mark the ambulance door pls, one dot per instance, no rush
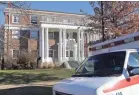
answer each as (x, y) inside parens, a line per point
(133, 69)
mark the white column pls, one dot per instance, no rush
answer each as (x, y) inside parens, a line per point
(46, 45)
(91, 37)
(82, 44)
(94, 36)
(60, 46)
(64, 44)
(41, 44)
(75, 52)
(78, 44)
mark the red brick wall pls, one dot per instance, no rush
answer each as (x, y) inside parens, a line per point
(32, 44)
(24, 19)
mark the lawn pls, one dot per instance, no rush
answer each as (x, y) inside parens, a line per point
(29, 76)
(14, 77)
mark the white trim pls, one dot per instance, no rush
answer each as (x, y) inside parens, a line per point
(64, 43)
(13, 15)
(30, 19)
(62, 26)
(78, 44)
(42, 44)
(21, 28)
(44, 26)
(46, 44)
(60, 57)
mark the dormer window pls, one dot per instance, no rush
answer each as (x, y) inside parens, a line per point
(34, 19)
(15, 18)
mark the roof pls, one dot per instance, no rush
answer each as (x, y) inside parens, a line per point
(57, 11)
(51, 11)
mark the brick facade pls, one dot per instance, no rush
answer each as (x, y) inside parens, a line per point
(24, 27)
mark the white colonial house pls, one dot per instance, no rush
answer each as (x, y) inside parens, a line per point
(60, 36)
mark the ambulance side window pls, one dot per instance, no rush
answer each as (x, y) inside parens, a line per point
(133, 59)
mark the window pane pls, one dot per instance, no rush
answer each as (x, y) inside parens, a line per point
(75, 35)
(67, 34)
(67, 54)
(15, 34)
(34, 19)
(66, 20)
(134, 59)
(50, 19)
(71, 53)
(51, 54)
(15, 53)
(106, 64)
(34, 34)
(15, 18)
(51, 35)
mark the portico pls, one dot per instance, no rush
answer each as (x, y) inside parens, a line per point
(68, 43)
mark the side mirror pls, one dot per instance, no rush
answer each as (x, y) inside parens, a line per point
(134, 71)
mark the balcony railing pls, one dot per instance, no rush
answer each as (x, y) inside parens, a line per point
(61, 20)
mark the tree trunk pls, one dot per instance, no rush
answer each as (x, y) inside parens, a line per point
(102, 21)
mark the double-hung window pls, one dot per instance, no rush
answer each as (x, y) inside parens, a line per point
(15, 18)
(51, 53)
(15, 54)
(34, 34)
(15, 34)
(34, 19)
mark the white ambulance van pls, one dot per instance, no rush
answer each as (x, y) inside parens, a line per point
(107, 71)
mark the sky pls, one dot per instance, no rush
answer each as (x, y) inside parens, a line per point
(61, 6)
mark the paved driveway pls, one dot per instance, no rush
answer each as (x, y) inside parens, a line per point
(29, 90)
(40, 88)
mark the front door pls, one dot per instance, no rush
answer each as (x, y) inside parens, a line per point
(71, 52)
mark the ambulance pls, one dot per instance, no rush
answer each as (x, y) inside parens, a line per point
(111, 69)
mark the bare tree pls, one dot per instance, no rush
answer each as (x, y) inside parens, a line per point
(20, 7)
(15, 4)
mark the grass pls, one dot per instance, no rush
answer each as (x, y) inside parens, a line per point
(28, 76)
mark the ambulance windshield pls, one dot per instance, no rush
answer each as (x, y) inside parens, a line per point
(102, 65)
